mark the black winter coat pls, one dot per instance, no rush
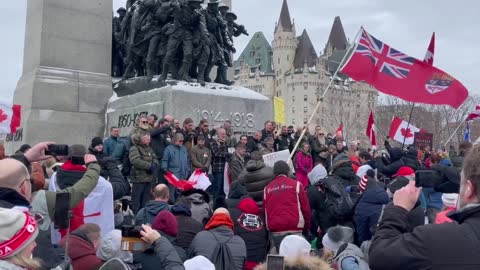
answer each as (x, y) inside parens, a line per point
(396, 162)
(342, 168)
(160, 136)
(256, 177)
(437, 246)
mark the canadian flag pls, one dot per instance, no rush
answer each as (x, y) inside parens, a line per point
(10, 117)
(402, 131)
(371, 133)
(475, 114)
(431, 51)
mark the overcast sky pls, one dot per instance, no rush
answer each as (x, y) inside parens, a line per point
(405, 25)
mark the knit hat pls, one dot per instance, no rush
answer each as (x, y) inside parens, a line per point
(166, 222)
(17, 231)
(318, 173)
(218, 220)
(281, 167)
(77, 150)
(336, 237)
(293, 246)
(198, 263)
(404, 171)
(114, 264)
(96, 141)
(450, 199)
(397, 184)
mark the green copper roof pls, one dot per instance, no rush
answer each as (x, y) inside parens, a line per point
(258, 53)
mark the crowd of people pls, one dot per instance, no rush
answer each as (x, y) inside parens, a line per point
(342, 206)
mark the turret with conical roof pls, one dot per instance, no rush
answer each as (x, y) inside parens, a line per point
(305, 53)
(337, 41)
(284, 43)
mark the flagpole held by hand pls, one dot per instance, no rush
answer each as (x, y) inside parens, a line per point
(408, 125)
(455, 132)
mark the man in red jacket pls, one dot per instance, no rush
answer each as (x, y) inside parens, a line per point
(287, 210)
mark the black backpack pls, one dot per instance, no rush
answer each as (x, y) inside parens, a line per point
(339, 203)
(222, 256)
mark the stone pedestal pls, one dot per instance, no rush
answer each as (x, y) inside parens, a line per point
(66, 79)
(246, 109)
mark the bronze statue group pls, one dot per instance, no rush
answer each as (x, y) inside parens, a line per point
(158, 37)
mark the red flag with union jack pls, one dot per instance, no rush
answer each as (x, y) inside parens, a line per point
(475, 114)
(395, 73)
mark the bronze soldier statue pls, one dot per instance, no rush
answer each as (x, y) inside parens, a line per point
(219, 42)
(187, 19)
(118, 46)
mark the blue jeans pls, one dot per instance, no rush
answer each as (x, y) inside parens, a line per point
(217, 184)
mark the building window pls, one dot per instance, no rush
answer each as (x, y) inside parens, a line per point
(305, 98)
(293, 109)
(305, 109)
(252, 53)
(279, 60)
(305, 121)
(322, 122)
(305, 86)
(258, 60)
(358, 115)
(293, 98)
(288, 57)
(293, 121)
(242, 63)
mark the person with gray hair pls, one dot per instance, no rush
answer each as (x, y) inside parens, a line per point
(176, 160)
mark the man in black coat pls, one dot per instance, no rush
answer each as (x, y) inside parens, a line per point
(440, 247)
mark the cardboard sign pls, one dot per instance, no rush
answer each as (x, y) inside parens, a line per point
(422, 140)
(270, 159)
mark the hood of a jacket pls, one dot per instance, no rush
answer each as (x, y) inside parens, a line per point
(197, 196)
(396, 154)
(302, 262)
(412, 153)
(254, 165)
(237, 191)
(10, 198)
(110, 247)
(375, 195)
(155, 207)
(372, 164)
(461, 215)
(181, 210)
(69, 174)
(249, 206)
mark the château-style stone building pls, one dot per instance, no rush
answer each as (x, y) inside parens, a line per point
(290, 68)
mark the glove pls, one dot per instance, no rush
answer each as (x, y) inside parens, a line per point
(153, 168)
(348, 189)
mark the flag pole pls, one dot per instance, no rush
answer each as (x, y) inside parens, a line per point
(408, 124)
(455, 132)
(324, 93)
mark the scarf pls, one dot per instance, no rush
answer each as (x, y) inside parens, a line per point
(219, 220)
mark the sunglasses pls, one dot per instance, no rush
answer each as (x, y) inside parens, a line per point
(144, 122)
(39, 218)
(181, 141)
(321, 134)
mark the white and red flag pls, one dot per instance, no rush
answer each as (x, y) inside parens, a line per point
(475, 114)
(431, 51)
(10, 117)
(401, 131)
(371, 132)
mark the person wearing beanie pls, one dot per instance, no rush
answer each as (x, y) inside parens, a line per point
(368, 210)
(219, 230)
(317, 174)
(188, 227)
(293, 246)
(166, 225)
(249, 224)
(18, 231)
(450, 205)
(83, 245)
(198, 263)
(286, 205)
(339, 251)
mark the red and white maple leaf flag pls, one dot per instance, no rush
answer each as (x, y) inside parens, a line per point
(431, 51)
(401, 131)
(371, 133)
(475, 114)
(10, 117)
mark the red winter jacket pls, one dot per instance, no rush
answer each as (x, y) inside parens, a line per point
(286, 206)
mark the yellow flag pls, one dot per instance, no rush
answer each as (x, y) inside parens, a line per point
(279, 108)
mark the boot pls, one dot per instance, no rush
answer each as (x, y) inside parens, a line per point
(218, 79)
(150, 70)
(201, 74)
(222, 70)
(207, 73)
(184, 72)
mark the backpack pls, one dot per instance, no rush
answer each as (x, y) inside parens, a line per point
(222, 256)
(338, 200)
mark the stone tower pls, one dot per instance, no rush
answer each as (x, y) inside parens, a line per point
(337, 41)
(284, 46)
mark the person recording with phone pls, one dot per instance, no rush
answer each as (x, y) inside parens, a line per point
(433, 246)
(16, 192)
